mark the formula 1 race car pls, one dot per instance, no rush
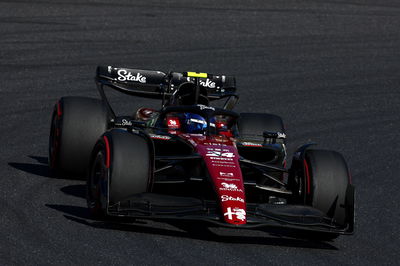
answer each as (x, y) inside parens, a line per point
(191, 160)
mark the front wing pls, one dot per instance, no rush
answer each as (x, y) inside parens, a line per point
(296, 217)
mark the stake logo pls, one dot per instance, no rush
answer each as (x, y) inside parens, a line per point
(126, 122)
(124, 75)
(281, 135)
(207, 83)
(230, 198)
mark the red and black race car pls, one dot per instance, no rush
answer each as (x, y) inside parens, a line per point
(191, 160)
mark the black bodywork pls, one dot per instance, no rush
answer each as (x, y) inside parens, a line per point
(176, 164)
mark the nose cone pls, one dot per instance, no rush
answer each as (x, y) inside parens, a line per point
(222, 161)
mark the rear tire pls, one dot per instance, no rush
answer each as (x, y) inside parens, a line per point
(77, 123)
(122, 166)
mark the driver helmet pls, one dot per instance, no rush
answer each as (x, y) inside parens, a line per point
(194, 123)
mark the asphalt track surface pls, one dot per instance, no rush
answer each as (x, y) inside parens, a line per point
(331, 69)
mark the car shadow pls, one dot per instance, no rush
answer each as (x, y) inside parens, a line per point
(78, 191)
(185, 230)
(41, 168)
(40, 159)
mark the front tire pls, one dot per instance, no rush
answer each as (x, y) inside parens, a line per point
(122, 166)
(325, 185)
(328, 182)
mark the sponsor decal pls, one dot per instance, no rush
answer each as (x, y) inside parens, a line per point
(125, 122)
(202, 107)
(228, 179)
(251, 144)
(162, 137)
(207, 83)
(221, 159)
(226, 164)
(230, 198)
(212, 144)
(201, 136)
(172, 122)
(226, 185)
(281, 135)
(229, 187)
(124, 75)
(217, 149)
(220, 154)
(239, 213)
(223, 163)
(226, 174)
(222, 139)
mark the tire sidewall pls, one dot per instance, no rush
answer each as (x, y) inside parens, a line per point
(118, 147)
(328, 181)
(80, 121)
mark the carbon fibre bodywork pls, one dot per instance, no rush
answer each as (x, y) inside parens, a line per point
(220, 176)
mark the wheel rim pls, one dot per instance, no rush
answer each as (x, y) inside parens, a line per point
(98, 184)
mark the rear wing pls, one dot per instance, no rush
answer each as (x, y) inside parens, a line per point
(159, 85)
(143, 83)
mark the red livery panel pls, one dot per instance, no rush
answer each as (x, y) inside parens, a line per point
(222, 160)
